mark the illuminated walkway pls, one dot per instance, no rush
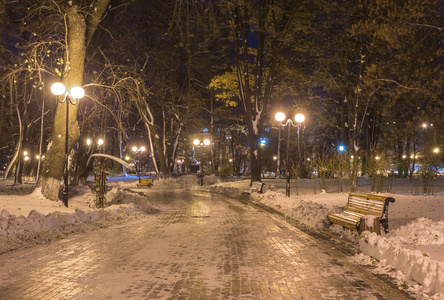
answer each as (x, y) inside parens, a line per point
(200, 247)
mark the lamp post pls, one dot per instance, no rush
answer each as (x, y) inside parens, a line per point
(280, 116)
(76, 92)
(137, 152)
(179, 163)
(299, 118)
(99, 144)
(197, 143)
(205, 143)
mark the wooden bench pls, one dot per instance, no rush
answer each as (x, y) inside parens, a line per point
(257, 186)
(146, 182)
(360, 205)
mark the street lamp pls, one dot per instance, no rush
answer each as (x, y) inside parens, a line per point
(204, 143)
(76, 92)
(280, 116)
(100, 142)
(299, 118)
(137, 151)
(197, 143)
(179, 163)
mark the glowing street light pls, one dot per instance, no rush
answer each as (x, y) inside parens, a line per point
(204, 143)
(436, 150)
(299, 118)
(76, 92)
(137, 152)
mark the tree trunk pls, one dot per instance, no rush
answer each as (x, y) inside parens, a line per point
(53, 167)
(82, 167)
(153, 157)
(39, 162)
(19, 155)
(121, 151)
(255, 158)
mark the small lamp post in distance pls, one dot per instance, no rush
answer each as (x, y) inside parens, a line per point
(299, 118)
(197, 143)
(137, 152)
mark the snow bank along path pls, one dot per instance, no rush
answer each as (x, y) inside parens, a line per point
(37, 228)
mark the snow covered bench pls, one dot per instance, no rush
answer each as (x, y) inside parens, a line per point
(360, 205)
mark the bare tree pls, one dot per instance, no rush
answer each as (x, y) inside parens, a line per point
(80, 22)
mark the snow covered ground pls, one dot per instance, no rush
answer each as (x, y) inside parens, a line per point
(413, 251)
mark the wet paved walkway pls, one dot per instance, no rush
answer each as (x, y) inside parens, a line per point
(204, 247)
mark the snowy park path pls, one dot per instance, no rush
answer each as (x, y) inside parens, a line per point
(202, 247)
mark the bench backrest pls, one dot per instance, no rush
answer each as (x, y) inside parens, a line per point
(257, 185)
(368, 204)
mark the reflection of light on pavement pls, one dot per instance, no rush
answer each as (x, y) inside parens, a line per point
(199, 212)
(271, 228)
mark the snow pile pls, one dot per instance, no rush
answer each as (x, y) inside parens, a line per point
(422, 231)
(402, 251)
(309, 213)
(126, 196)
(400, 278)
(183, 182)
(17, 230)
(37, 228)
(211, 179)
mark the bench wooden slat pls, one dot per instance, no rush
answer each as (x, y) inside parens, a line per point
(145, 182)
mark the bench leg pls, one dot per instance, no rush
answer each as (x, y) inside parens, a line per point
(384, 224)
